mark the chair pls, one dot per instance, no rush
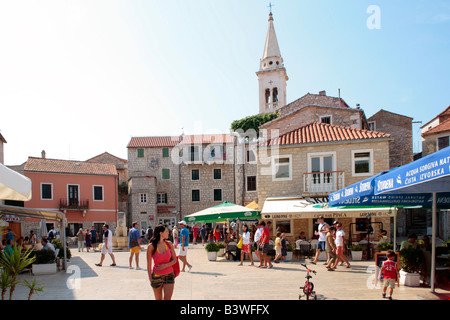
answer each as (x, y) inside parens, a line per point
(305, 248)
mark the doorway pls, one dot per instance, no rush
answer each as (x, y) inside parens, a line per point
(73, 195)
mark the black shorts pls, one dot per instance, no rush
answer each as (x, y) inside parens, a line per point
(159, 280)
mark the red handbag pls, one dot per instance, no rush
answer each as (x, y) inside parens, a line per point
(176, 268)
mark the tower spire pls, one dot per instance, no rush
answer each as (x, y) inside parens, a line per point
(272, 75)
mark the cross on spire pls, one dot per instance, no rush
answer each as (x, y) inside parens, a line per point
(270, 7)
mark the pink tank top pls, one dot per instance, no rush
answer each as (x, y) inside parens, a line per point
(161, 258)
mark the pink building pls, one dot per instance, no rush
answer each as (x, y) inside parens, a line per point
(86, 192)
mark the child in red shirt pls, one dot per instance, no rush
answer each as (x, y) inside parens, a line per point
(390, 274)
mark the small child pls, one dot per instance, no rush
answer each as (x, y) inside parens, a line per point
(390, 274)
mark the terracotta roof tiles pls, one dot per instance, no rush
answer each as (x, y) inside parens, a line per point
(321, 132)
(149, 142)
(441, 127)
(69, 166)
(171, 141)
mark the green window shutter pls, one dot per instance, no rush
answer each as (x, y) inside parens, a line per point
(165, 152)
(217, 194)
(166, 174)
(140, 153)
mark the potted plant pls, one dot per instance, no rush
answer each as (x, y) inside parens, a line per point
(357, 251)
(289, 253)
(412, 262)
(222, 246)
(212, 249)
(60, 257)
(385, 246)
(45, 262)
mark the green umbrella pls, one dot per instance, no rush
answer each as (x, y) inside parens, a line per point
(222, 212)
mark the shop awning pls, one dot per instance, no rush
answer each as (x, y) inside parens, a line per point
(13, 185)
(32, 213)
(48, 215)
(299, 208)
(222, 212)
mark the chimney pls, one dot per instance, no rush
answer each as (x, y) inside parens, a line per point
(43, 154)
(322, 93)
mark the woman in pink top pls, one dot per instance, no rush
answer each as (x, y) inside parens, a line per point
(162, 254)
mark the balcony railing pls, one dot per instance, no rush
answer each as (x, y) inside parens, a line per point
(323, 182)
(73, 204)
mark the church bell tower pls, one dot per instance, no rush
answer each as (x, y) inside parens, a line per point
(272, 75)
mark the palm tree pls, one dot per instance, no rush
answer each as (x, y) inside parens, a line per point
(33, 287)
(14, 263)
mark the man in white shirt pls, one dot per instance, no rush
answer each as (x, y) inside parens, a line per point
(107, 246)
(322, 233)
(339, 241)
(258, 250)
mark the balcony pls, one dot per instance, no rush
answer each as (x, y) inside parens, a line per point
(322, 183)
(73, 204)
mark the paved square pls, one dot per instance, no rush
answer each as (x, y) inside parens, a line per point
(213, 280)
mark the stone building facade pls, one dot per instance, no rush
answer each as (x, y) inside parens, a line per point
(153, 183)
(314, 161)
(400, 129)
(171, 177)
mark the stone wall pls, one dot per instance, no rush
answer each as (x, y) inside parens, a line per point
(400, 128)
(339, 116)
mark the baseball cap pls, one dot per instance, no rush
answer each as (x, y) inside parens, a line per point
(182, 222)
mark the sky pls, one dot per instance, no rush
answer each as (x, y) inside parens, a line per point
(78, 78)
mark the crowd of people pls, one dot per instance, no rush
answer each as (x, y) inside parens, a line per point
(29, 242)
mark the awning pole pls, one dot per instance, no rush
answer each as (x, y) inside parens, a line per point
(395, 229)
(433, 243)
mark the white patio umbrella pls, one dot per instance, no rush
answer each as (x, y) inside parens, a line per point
(13, 185)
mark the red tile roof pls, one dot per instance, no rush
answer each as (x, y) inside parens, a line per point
(321, 132)
(69, 166)
(149, 142)
(441, 127)
(171, 141)
(207, 139)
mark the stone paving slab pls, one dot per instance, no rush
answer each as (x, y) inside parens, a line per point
(213, 280)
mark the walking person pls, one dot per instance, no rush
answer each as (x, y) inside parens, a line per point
(134, 243)
(217, 233)
(330, 248)
(87, 239)
(184, 243)
(283, 247)
(321, 232)
(162, 253)
(339, 241)
(94, 237)
(265, 244)
(107, 246)
(81, 239)
(246, 245)
(258, 250)
(203, 234)
(277, 248)
(194, 233)
(390, 274)
(175, 236)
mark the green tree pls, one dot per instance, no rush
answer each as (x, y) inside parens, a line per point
(253, 122)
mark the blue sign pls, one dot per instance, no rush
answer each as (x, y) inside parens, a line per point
(428, 174)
